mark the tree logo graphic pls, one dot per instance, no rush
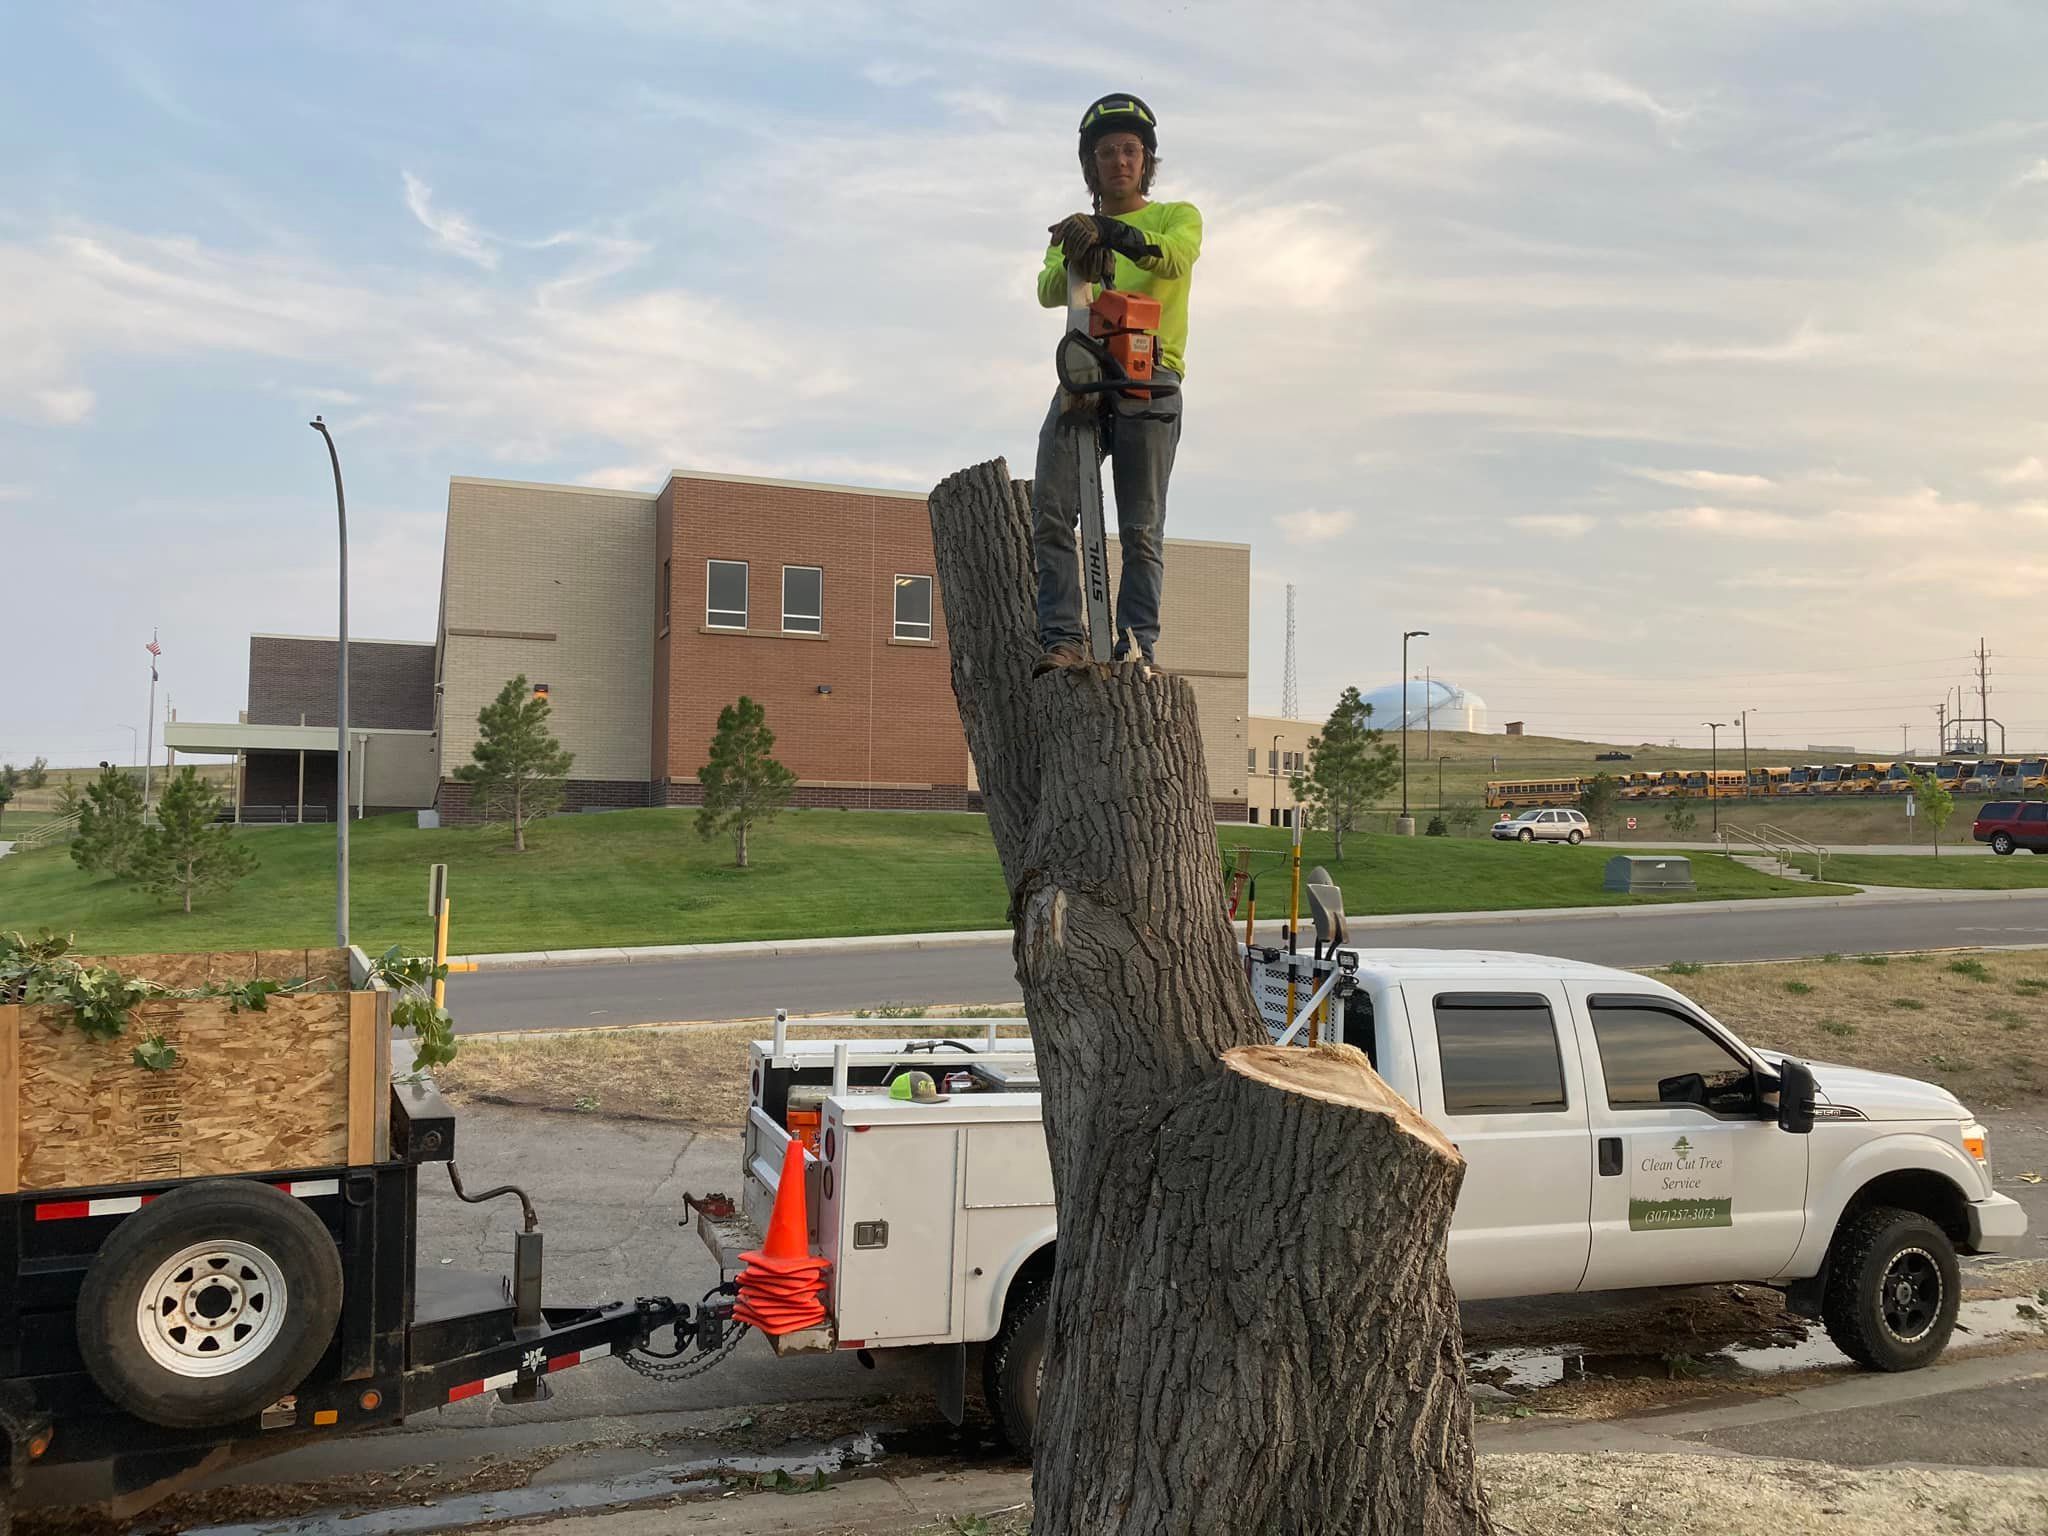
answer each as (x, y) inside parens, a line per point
(1682, 1147)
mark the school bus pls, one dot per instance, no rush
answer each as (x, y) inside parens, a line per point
(1770, 781)
(1802, 779)
(1635, 786)
(1901, 779)
(1827, 779)
(1518, 794)
(1952, 774)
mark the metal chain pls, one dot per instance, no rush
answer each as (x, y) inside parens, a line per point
(657, 1369)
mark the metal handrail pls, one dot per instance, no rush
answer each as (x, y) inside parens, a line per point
(47, 832)
(1793, 840)
(1732, 833)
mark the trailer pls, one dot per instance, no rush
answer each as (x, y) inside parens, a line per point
(153, 1333)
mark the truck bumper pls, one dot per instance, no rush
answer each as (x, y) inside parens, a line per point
(1997, 1223)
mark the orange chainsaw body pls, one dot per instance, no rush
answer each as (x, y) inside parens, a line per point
(1128, 325)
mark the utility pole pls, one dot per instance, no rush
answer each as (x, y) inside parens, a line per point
(1405, 827)
(1941, 726)
(149, 756)
(1715, 727)
(1744, 719)
(1905, 740)
(340, 703)
(1428, 715)
(1984, 691)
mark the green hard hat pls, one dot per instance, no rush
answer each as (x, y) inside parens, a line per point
(915, 1088)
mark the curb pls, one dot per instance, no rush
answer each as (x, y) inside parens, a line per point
(539, 959)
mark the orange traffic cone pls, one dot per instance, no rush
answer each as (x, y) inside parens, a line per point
(782, 1285)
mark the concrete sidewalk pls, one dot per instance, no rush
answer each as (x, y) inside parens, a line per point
(648, 954)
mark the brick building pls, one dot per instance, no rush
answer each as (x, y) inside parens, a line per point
(645, 614)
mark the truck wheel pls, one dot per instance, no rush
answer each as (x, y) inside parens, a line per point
(209, 1304)
(1014, 1366)
(2001, 842)
(1892, 1290)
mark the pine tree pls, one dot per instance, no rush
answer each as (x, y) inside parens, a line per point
(1349, 767)
(1598, 797)
(742, 783)
(519, 766)
(110, 824)
(190, 849)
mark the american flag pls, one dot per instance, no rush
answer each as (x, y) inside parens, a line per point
(154, 649)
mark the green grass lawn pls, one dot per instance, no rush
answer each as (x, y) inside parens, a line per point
(645, 877)
(2020, 872)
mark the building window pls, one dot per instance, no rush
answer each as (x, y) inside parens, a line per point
(913, 607)
(666, 591)
(1251, 759)
(725, 594)
(1272, 761)
(803, 599)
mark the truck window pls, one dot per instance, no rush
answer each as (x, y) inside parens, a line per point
(1653, 1056)
(1498, 1053)
(2036, 812)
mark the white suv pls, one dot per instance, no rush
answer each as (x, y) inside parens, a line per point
(1553, 826)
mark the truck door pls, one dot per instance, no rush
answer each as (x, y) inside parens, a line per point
(1693, 1183)
(1504, 1082)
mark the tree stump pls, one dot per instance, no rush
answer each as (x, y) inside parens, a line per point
(1253, 1331)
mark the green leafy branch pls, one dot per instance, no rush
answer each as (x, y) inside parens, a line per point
(101, 1000)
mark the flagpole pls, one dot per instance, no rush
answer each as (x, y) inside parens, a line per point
(149, 756)
(341, 702)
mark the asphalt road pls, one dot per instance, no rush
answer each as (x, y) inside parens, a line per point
(841, 981)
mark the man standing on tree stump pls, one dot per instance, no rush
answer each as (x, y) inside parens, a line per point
(1139, 247)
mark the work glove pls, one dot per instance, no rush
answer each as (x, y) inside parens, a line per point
(1127, 240)
(1076, 235)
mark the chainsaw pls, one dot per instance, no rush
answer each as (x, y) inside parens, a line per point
(1110, 348)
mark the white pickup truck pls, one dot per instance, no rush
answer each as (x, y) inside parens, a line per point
(1616, 1134)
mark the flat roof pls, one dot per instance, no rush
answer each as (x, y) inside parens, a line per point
(210, 736)
(271, 634)
(725, 479)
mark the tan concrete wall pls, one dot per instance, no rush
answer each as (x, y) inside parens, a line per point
(1205, 636)
(557, 582)
(397, 770)
(1260, 780)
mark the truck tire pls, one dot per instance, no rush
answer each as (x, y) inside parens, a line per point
(209, 1304)
(1892, 1290)
(1014, 1365)
(2001, 842)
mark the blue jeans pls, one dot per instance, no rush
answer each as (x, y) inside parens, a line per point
(1139, 438)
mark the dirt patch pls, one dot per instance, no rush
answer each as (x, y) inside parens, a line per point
(1975, 1023)
(1626, 1495)
(694, 1074)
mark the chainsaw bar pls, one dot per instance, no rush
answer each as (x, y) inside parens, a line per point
(1095, 545)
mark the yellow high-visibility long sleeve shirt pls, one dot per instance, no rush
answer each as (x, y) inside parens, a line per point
(1176, 228)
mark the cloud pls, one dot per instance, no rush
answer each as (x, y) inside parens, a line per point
(1806, 341)
(2026, 472)
(451, 231)
(1727, 522)
(1709, 480)
(1561, 525)
(893, 74)
(2034, 175)
(15, 492)
(1313, 527)
(66, 407)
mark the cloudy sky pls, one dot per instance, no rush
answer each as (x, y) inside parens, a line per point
(1662, 360)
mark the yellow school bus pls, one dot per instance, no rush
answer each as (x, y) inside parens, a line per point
(1770, 781)
(1865, 778)
(1519, 794)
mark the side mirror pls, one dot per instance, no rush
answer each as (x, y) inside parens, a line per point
(1795, 1097)
(1685, 1088)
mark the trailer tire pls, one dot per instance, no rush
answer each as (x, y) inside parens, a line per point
(209, 1304)
(1014, 1366)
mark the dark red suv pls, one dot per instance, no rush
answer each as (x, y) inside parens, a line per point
(2010, 824)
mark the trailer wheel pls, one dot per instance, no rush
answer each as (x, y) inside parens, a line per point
(209, 1304)
(1014, 1366)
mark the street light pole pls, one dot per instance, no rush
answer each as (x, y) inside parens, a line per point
(1744, 719)
(1715, 727)
(340, 702)
(1440, 783)
(1273, 764)
(1407, 822)
(134, 740)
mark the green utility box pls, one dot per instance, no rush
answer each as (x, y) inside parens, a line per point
(1642, 873)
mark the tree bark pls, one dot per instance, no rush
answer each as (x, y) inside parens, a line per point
(1252, 1328)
